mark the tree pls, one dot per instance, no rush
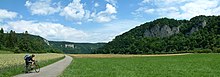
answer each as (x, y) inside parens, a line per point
(26, 32)
(1, 38)
(2, 31)
(11, 39)
(25, 43)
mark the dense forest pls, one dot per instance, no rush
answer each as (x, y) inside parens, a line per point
(24, 43)
(200, 34)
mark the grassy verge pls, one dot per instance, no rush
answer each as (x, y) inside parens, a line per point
(191, 65)
(18, 69)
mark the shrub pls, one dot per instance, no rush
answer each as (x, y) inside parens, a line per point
(216, 50)
(202, 50)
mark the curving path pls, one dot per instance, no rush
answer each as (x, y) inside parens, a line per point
(52, 70)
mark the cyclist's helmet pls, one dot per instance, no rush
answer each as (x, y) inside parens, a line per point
(32, 55)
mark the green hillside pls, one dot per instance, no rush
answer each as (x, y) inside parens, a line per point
(27, 43)
(201, 33)
(79, 48)
(24, 43)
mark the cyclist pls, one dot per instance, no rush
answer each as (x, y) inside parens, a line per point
(29, 60)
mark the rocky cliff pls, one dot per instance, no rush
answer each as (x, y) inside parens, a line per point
(197, 26)
(161, 31)
(166, 30)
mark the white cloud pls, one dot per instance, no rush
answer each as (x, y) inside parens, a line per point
(180, 9)
(145, 1)
(42, 7)
(110, 9)
(4, 14)
(74, 11)
(96, 5)
(50, 31)
(113, 2)
(149, 10)
(59, 32)
(79, 23)
(108, 31)
(208, 7)
(107, 15)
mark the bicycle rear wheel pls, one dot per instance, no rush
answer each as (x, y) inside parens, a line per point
(37, 68)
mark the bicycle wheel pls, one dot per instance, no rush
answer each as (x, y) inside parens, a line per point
(37, 68)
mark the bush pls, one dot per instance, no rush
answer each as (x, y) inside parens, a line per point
(202, 50)
(216, 50)
(54, 51)
(17, 50)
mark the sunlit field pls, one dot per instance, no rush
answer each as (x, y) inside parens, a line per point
(17, 59)
(190, 65)
(12, 64)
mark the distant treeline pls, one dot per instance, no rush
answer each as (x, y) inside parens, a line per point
(78, 48)
(24, 43)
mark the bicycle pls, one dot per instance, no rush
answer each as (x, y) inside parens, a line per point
(33, 66)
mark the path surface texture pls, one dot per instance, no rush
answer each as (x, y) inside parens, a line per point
(52, 70)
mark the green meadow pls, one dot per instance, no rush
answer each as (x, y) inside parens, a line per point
(190, 65)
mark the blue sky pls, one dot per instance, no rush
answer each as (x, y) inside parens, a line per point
(94, 20)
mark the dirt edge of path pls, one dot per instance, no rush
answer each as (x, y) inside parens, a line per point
(119, 55)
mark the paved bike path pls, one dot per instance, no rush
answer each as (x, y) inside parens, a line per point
(52, 70)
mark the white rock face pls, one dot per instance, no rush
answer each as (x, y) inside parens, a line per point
(161, 31)
(46, 42)
(166, 30)
(69, 45)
